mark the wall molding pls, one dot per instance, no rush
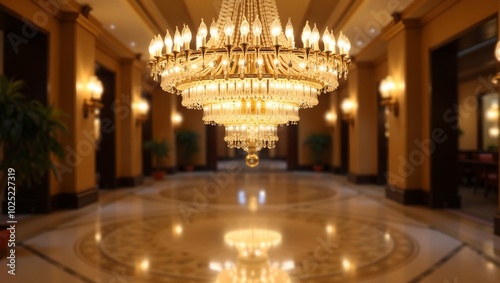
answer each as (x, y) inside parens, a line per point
(75, 200)
(361, 179)
(497, 224)
(405, 196)
(132, 181)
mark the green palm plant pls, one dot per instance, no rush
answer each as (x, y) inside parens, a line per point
(160, 149)
(318, 143)
(28, 134)
(187, 141)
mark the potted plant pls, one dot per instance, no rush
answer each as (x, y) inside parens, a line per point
(29, 137)
(318, 143)
(187, 142)
(160, 149)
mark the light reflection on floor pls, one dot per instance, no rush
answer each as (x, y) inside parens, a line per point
(174, 231)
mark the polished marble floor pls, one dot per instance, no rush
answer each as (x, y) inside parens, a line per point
(330, 231)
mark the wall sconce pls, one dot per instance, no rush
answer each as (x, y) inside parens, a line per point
(493, 132)
(388, 100)
(93, 104)
(142, 108)
(331, 119)
(496, 78)
(176, 119)
(348, 110)
(492, 113)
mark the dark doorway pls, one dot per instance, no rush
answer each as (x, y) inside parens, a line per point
(25, 57)
(211, 147)
(106, 148)
(444, 162)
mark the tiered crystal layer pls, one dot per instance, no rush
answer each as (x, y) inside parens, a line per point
(249, 77)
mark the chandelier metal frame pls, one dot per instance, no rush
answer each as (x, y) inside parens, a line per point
(250, 79)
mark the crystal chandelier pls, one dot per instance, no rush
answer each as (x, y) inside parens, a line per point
(250, 78)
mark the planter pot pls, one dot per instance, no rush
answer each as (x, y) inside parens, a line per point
(318, 168)
(189, 168)
(4, 239)
(159, 175)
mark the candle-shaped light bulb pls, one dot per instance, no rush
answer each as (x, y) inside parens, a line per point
(315, 37)
(276, 30)
(198, 40)
(202, 30)
(158, 45)
(341, 43)
(168, 42)
(332, 44)
(244, 29)
(228, 30)
(289, 32)
(214, 32)
(327, 39)
(152, 50)
(186, 36)
(306, 35)
(177, 40)
(347, 46)
(257, 30)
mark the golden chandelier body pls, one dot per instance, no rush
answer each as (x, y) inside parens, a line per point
(250, 79)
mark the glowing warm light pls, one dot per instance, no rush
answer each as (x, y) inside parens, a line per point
(97, 237)
(178, 229)
(347, 106)
(142, 107)
(249, 77)
(215, 266)
(330, 118)
(346, 265)
(95, 88)
(330, 229)
(497, 51)
(253, 205)
(387, 236)
(253, 265)
(176, 119)
(493, 132)
(144, 264)
(492, 113)
(288, 265)
(386, 88)
(97, 127)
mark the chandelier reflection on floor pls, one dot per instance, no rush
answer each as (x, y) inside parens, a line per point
(250, 78)
(253, 264)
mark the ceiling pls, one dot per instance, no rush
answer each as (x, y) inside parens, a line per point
(134, 22)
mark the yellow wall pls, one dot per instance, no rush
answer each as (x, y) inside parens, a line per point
(163, 105)
(335, 102)
(363, 132)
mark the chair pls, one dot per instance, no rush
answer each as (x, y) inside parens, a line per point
(486, 173)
